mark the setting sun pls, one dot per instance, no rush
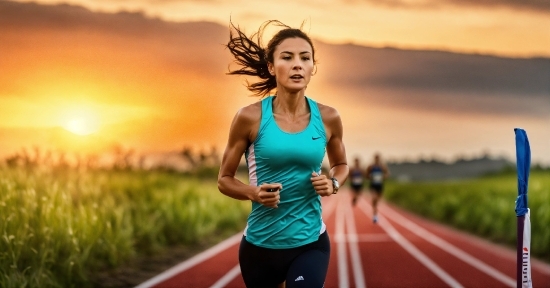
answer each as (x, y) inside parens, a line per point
(81, 126)
(80, 119)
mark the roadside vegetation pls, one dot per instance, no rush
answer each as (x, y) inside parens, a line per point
(61, 224)
(483, 206)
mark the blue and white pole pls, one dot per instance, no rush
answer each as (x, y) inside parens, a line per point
(523, 164)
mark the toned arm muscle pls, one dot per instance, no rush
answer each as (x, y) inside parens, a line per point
(336, 151)
(243, 132)
(239, 139)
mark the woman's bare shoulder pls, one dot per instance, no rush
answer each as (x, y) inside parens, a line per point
(250, 113)
(328, 113)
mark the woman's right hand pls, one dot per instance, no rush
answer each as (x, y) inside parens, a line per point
(268, 194)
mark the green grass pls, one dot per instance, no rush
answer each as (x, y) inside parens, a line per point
(59, 226)
(483, 206)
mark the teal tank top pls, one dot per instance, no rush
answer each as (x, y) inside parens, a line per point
(277, 156)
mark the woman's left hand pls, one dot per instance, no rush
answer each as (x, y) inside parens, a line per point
(321, 184)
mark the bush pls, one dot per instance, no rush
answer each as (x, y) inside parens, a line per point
(483, 206)
(59, 226)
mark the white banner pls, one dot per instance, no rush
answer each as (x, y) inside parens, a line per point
(526, 280)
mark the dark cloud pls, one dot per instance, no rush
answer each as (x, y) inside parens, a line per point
(175, 61)
(121, 48)
(535, 5)
(437, 80)
(66, 17)
(155, 2)
(179, 1)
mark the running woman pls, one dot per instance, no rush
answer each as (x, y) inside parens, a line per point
(357, 180)
(284, 138)
(377, 172)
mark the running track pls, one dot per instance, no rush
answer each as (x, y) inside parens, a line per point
(402, 250)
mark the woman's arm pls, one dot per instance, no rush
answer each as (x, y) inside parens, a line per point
(336, 152)
(243, 131)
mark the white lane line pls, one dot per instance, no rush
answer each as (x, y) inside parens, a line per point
(343, 281)
(409, 247)
(354, 250)
(373, 237)
(219, 248)
(450, 248)
(192, 261)
(498, 250)
(236, 271)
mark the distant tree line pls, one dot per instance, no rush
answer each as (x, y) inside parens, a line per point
(462, 158)
(201, 163)
(188, 161)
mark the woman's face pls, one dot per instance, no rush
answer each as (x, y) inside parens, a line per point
(292, 64)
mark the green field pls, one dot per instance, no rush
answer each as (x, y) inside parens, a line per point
(483, 206)
(59, 226)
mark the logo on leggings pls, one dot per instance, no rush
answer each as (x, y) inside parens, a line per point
(300, 278)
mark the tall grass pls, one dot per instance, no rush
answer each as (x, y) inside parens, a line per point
(58, 226)
(483, 206)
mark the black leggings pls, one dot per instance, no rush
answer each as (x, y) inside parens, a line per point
(304, 266)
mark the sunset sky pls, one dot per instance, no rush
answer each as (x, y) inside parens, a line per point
(503, 27)
(86, 79)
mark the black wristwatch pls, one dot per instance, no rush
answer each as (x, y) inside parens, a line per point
(335, 185)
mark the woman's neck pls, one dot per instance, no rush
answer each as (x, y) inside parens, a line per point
(291, 104)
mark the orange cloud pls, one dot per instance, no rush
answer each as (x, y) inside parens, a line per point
(157, 85)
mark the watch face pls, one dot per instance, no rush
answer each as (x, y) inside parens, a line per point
(335, 183)
(335, 186)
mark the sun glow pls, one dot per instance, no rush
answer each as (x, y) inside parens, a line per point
(81, 121)
(81, 126)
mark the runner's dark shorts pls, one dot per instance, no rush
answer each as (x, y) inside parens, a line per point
(356, 188)
(377, 188)
(304, 266)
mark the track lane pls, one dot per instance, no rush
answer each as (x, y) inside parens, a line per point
(364, 254)
(499, 261)
(396, 263)
(442, 249)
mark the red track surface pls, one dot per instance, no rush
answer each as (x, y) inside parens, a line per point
(402, 250)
